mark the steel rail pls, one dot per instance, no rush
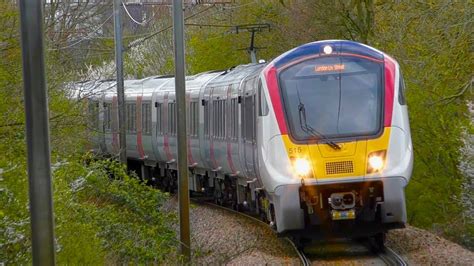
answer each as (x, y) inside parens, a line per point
(300, 252)
(387, 255)
(390, 257)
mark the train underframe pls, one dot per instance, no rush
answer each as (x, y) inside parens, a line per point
(224, 190)
(343, 210)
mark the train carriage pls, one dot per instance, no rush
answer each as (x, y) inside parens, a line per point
(317, 141)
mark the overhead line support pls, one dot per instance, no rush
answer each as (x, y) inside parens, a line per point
(120, 85)
(37, 133)
(180, 90)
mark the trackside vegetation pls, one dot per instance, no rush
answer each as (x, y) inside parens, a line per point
(102, 215)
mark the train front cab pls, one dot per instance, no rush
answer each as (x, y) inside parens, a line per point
(347, 139)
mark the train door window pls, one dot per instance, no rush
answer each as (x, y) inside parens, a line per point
(159, 125)
(193, 119)
(172, 118)
(223, 116)
(234, 123)
(108, 117)
(215, 111)
(215, 119)
(263, 106)
(220, 116)
(401, 91)
(146, 118)
(248, 118)
(93, 114)
(130, 109)
(206, 118)
(219, 119)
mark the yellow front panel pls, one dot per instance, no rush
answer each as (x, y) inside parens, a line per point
(350, 160)
(341, 163)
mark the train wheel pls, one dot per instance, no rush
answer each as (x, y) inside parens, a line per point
(379, 241)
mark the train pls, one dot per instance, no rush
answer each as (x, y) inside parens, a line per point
(315, 142)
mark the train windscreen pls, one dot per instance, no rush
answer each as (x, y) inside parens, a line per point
(333, 97)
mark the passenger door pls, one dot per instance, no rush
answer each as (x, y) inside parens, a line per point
(248, 121)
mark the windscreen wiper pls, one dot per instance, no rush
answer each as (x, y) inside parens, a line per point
(310, 130)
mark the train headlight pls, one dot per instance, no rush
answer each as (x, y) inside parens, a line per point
(302, 167)
(327, 49)
(376, 161)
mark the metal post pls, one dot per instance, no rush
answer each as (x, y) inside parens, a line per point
(37, 132)
(120, 89)
(252, 49)
(180, 87)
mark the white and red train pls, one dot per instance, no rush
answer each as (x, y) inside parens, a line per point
(317, 141)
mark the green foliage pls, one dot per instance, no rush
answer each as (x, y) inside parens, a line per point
(127, 213)
(98, 219)
(209, 54)
(432, 43)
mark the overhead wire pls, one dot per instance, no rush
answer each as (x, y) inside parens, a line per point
(141, 40)
(143, 23)
(239, 6)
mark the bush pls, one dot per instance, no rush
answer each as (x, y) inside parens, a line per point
(97, 219)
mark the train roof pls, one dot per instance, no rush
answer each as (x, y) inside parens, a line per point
(148, 85)
(236, 74)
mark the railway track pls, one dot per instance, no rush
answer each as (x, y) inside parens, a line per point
(388, 256)
(366, 254)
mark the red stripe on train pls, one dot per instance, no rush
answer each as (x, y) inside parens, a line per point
(211, 153)
(190, 153)
(141, 153)
(229, 145)
(389, 89)
(229, 157)
(272, 83)
(166, 144)
(115, 144)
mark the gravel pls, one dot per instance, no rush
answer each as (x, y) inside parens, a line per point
(421, 247)
(221, 237)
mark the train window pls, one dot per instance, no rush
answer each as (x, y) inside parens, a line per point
(130, 110)
(172, 118)
(159, 125)
(219, 119)
(248, 118)
(263, 106)
(215, 112)
(401, 91)
(193, 119)
(146, 118)
(93, 115)
(222, 114)
(206, 119)
(108, 117)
